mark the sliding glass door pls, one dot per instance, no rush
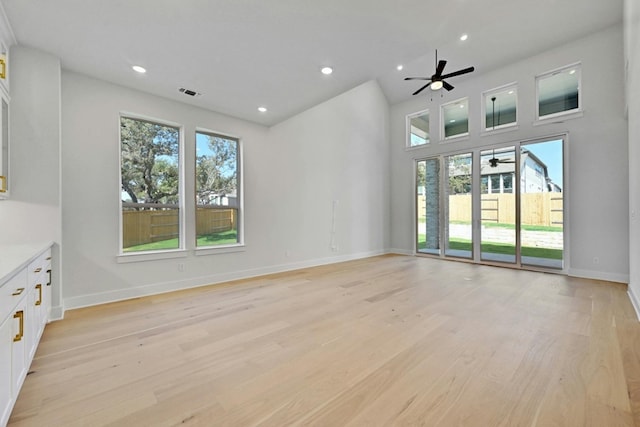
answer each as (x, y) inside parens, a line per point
(428, 206)
(458, 205)
(541, 203)
(508, 199)
(498, 204)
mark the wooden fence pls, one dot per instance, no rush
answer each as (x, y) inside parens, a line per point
(543, 209)
(146, 226)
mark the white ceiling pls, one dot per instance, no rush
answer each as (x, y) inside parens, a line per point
(241, 54)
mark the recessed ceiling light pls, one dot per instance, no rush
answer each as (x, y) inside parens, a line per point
(399, 67)
(139, 69)
(461, 105)
(572, 72)
(464, 37)
(510, 92)
(327, 70)
(262, 109)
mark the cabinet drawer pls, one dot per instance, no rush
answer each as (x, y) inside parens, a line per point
(12, 292)
(38, 268)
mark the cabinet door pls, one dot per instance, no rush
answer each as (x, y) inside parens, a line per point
(6, 342)
(32, 321)
(4, 152)
(20, 338)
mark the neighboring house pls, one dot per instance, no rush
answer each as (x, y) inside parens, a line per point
(534, 174)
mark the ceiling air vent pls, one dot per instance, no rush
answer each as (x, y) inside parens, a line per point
(189, 92)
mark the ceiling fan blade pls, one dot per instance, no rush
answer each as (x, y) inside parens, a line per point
(440, 67)
(459, 72)
(446, 85)
(417, 78)
(421, 89)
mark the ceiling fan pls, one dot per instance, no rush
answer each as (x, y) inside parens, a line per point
(493, 161)
(436, 81)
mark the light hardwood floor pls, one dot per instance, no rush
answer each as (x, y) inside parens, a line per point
(390, 340)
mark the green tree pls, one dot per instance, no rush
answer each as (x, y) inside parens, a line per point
(149, 168)
(459, 174)
(216, 171)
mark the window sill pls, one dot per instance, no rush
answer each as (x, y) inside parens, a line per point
(455, 138)
(558, 118)
(151, 256)
(219, 250)
(499, 130)
(416, 147)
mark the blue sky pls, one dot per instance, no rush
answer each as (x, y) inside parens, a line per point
(551, 154)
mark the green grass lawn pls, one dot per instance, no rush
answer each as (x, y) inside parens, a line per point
(490, 224)
(498, 248)
(213, 239)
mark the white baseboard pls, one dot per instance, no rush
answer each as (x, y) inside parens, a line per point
(599, 275)
(400, 251)
(57, 313)
(635, 301)
(194, 282)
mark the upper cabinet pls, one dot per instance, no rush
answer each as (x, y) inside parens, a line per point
(4, 67)
(4, 144)
(6, 39)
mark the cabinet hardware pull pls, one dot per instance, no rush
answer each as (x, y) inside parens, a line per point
(37, 270)
(49, 281)
(39, 288)
(3, 184)
(18, 292)
(3, 65)
(19, 315)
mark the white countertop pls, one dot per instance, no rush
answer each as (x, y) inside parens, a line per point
(13, 258)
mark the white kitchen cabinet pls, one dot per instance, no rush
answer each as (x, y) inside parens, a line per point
(25, 305)
(4, 120)
(4, 145)
(4, 66)
(6, 391)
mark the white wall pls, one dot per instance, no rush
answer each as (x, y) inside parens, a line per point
(32, 214)
(632, 50)
(292, 174)
(598, 167)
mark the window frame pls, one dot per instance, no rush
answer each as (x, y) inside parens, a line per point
(240, 244)
(574, 112)
(483, 108)
(458, 136)
(124, 257)
(408, 119)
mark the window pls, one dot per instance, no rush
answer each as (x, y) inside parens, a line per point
(500, 108)
(558, 92)
(507, 183)
(418, 129)
(455, 118)
(150, 179)
(217, 190)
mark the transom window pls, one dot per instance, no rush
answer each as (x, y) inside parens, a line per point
(500, 108)
(418, 129)
(558, 92)
(455, 118)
